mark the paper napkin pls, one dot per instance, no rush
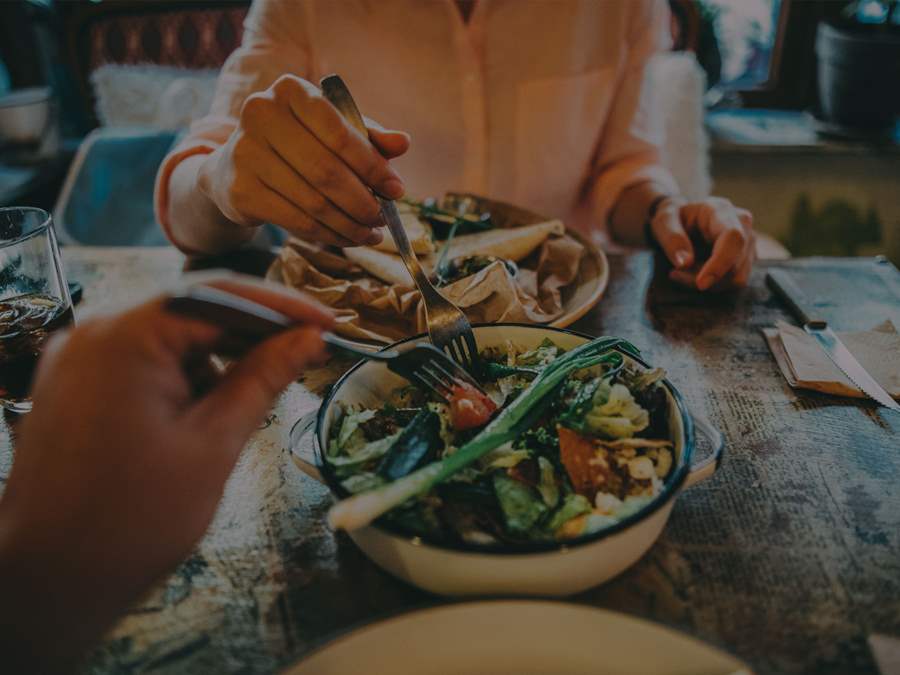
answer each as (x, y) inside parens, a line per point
(805, 364)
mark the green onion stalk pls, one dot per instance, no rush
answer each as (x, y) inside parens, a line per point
(361, 509)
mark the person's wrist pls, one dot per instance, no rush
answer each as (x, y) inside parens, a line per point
(208, 184)
(230, 228)
(653, 208)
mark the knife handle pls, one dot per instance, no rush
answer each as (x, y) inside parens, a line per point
(783, 285)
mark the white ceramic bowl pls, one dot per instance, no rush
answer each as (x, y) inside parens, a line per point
(24, 115)
(538, 569)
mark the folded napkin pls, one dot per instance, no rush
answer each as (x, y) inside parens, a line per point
(805, 364)
(886, 650)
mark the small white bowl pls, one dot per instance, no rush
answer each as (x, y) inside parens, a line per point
(537, 569)
(24, 115)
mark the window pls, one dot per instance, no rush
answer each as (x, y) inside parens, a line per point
(748, 34)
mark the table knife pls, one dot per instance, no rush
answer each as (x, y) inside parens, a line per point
(783, 285)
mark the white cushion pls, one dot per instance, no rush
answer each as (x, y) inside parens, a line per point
(159, 97)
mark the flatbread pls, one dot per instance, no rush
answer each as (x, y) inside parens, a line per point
(511, 243)
(418, 233)
(367, 308)
(382, 265)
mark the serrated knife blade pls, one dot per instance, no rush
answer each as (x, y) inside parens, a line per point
(783, 285)
(848, 365)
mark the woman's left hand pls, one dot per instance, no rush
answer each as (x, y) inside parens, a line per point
(684, 229)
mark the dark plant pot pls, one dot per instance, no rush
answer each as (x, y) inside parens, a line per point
(859, 76)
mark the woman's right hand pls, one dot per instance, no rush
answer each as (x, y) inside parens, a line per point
(294, 161)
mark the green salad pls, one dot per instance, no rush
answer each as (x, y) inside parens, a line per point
(559, 445)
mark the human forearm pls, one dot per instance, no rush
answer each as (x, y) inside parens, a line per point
(195, 222)
(50, 616)
(631, 212)
(313, 177)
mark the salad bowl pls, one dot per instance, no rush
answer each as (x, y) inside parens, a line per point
(538, 568)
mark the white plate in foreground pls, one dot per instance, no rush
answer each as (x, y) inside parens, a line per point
(516, 638)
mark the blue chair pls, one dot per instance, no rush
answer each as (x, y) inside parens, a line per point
(107, 198)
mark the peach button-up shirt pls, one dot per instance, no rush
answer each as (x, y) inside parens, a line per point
(541, 103)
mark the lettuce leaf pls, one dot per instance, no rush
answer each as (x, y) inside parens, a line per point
(543, 354)
(521, 507)
(360, 482)
(615, 413)
(573, 505)
(350, 437)
(504, 457)
(547, 487)
(345, 464)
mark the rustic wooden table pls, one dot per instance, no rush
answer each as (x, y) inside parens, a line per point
(789, 557)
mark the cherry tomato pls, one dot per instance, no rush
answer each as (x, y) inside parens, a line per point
(469, 408)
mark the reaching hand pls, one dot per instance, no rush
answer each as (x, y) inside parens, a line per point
(295, 162)
(711, 243)
(121, 464)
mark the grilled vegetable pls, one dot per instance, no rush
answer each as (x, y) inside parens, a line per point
(415, 445)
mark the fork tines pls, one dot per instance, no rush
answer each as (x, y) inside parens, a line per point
(432, 370)
(464, 350)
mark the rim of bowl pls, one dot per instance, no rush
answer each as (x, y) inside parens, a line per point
(46, 222)
(670, 489)
(25, 96)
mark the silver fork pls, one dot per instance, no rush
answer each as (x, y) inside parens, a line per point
(448, 327)
(423, 365)
(246, 323)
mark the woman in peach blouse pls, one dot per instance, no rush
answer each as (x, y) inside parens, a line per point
(538, 103)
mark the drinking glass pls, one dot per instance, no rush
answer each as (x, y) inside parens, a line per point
(34, 299)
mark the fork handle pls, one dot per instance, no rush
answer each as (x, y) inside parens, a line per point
(247, 323)
(337, 93)
(359, 349)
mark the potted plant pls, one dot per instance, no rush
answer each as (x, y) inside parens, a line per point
(859, 66)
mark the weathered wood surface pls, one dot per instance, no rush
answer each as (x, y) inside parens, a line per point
(789, 557)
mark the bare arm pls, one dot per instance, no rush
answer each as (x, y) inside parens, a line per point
(195, 220)
(272, 150)
(633, 189)
(626, 222)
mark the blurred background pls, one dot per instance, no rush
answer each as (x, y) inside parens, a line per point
(787, 107)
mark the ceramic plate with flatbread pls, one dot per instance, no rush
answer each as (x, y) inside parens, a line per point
(593, 275)
(523, 268)
(589, 286)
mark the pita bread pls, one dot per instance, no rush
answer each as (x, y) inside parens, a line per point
(382, 265)
(419, 236)
(368, 307)
(510, 243)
